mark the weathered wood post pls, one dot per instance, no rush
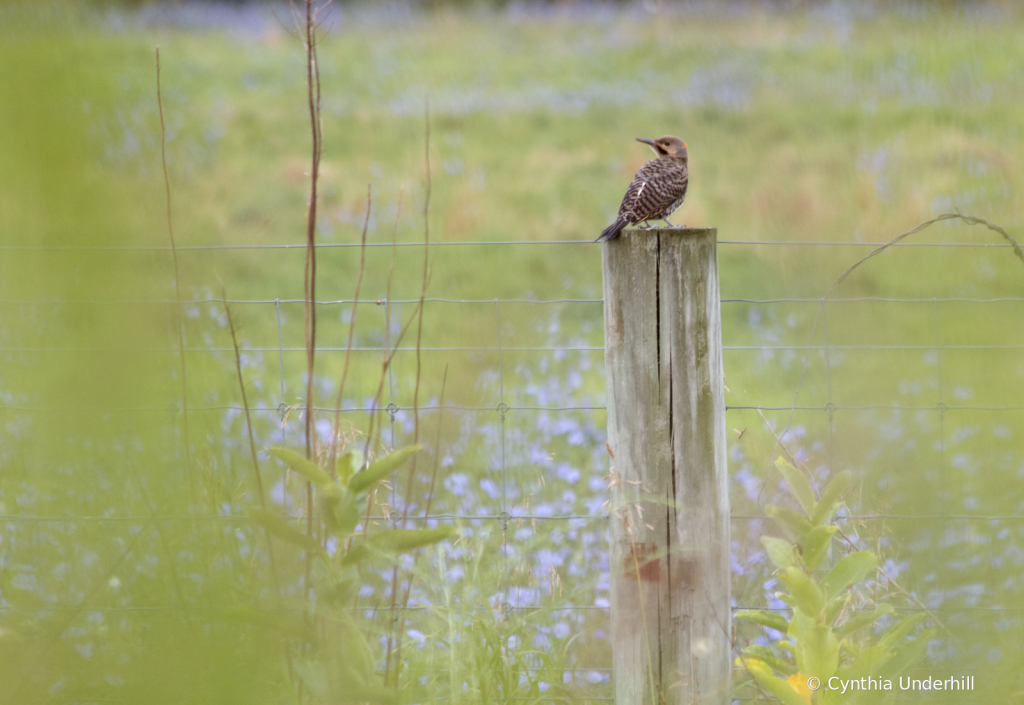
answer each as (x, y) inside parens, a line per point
(670, 596)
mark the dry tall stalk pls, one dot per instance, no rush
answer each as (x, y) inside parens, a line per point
(335, 438)
(177, 282)
(310, 25)
(255, 465)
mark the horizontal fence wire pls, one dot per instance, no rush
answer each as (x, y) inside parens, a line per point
(472, 243)
(383, 301)
(142, 519)
(516, 348)
(827, 408)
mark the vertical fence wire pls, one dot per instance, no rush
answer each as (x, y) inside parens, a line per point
(830, 407)
(392, 408)
(941, 408)
(282, 405)
(502, 408)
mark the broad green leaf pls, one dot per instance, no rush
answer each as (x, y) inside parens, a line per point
(816, 545)
(285, 531)
(800, 628)
(820, 652)
(357, 555)
(835, 606)
(794, 524)
(339, 510)
(762, 673)
(862, 620)
(830, 498)
(798, 485)
(900, 630)
(347, 465)
(849, 570)
(310, 471)
(866, 663)
(780, 551)
(765, 619)
(763, 653)
(381, 469)
(807, 595)
(907, 654)
(786, 598)
(408, 539)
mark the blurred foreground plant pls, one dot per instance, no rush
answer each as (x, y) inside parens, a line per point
(827, 637)
(341, 666)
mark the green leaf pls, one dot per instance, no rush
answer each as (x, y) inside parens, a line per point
(786, 598)
(347, 465)
(409, 539)
(357, 555)
(907, 654)
(780, 551)
(765, 619)
(763, 653)
(866, 663)
(296, 462)
(798, 485)
(862, 620)
(285, 531)
(379, 470)
(807, 595)
(816, 545)
(339, 510)
(900, 630)
(835, 606)
(794, 524)
(762, 673)
(851, 569)
(820, 652)
(800, 628)
(830, 498)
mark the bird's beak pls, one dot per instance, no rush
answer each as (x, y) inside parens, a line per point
(645, 140)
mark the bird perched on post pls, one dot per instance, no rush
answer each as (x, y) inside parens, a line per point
(658, 188)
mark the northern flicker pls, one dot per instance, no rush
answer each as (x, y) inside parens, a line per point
(658, 188)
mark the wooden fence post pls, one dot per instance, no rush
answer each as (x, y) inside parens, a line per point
(670, 587)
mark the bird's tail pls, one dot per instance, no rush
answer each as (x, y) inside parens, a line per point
(612, 231)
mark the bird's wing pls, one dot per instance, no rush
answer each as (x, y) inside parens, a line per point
(634, 192)
(656, 186)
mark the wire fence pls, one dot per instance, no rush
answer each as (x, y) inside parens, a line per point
(508, 408)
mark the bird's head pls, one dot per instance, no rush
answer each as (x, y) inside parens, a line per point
(667, 146)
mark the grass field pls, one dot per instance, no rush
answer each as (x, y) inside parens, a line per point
(835, 125)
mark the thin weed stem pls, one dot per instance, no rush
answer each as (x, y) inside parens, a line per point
(255, 465)
(352, 326)
(177, 282)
